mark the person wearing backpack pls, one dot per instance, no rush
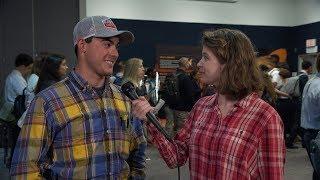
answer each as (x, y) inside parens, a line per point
(310, 113)
(303, 78)
(15, 85)
(296, 85)
(185, 96)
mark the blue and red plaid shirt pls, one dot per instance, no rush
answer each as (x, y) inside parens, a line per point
(75, 133)
(246, 144)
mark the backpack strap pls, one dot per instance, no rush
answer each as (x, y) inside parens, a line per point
(303, 78)
(24, 91)
(295, 86)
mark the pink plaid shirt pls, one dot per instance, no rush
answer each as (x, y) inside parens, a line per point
(247, 144)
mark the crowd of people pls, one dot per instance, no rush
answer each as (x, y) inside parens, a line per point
(229, 116)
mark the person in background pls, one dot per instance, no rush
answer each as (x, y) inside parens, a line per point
(194, 75)
(82, 127)
(134, 72)
(274, 72)
(150, 83)
(303, 77)
(118, 70)
(189, 93)
(287, 107)
(54, 68)
(268, 92)
(233, 134)
(15, 85)
(310, 112)
(32, 81)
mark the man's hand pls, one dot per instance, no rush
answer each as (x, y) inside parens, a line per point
(140, 107)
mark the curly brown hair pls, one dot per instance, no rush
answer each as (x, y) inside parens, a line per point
(240, 75)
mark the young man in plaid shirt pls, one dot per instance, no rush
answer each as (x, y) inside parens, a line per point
(82, 127)
(232, 134)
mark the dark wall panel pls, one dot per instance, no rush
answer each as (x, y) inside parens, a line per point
(33, 26)
(54, 22)
(150, 33)
(16, 33)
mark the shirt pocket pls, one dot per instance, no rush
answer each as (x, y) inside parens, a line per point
(235, 142)
(71, 141)
(119, 142)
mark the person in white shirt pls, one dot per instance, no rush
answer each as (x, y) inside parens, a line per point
(32, 82)
(15, 85)
(274, 73)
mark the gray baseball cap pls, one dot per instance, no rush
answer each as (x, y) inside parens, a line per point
(100, 26)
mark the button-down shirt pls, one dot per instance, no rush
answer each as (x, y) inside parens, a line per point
(72, 131)
(246, 144)
(14, 86)
(310, 111)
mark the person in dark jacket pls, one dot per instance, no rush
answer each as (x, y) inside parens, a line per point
(188, 91)
(54, 68)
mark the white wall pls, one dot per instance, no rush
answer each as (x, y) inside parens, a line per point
(308, 11)
(245, 12)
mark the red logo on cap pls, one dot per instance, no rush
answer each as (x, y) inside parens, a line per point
(109, 24)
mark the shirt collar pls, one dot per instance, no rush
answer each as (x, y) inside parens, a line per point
(303, 71)
(82, 84)
(17, 72)
(243, 103)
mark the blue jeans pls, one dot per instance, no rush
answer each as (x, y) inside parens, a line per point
(309, 135)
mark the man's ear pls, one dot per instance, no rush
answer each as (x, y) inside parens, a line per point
(82, 46)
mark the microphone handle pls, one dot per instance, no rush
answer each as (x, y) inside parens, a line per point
(152, 118)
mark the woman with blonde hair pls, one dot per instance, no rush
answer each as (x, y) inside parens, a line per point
(134, 72)
(232, 134)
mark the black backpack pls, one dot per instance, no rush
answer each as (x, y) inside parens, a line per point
(171, 88)
(19, 106)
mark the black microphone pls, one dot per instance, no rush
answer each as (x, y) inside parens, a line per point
(129, 90)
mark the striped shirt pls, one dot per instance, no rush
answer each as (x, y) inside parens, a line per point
(246, 144)
(77, 134)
